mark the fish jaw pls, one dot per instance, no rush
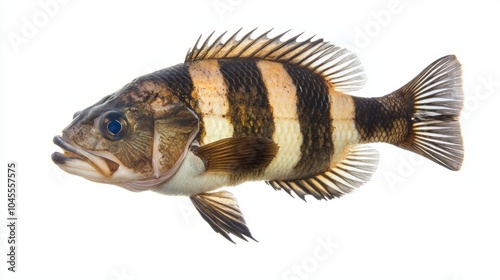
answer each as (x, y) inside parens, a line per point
(77, 166)
(74, 158)
(100, 167)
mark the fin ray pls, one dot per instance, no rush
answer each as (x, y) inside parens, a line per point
(438, 99)
(353, 170)
(335, 64)
(241, 154)
(221, 211)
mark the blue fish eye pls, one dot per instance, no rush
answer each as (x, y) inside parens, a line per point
(114, 125)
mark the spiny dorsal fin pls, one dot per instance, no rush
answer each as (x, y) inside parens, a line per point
(354, 170)
(222, 213)
(337, 65)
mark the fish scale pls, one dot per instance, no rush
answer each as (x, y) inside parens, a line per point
(282, 95)
(382, 119)
(249, 110)
(313, 107)
(272, 109)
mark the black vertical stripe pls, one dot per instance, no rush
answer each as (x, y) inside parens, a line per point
(179, 84)
(249, 110)
(383, 119)
(313, 108)
(178, 80)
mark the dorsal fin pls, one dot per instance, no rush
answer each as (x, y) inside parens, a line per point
(335, 64)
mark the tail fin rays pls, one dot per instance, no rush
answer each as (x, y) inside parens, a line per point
(438, 99)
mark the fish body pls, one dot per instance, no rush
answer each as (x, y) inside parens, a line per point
(266, 105)
(260, 109)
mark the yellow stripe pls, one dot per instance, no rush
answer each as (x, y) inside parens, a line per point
(210, 91)
(344, 131)
(282, 95)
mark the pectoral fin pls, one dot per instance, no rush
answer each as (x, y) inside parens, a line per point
(242, 154)
(222, 213)
(353, 170)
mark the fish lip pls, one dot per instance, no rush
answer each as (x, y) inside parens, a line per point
(71, 152)
(59, 158)
(105, 166)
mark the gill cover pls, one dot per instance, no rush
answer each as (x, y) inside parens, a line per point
(174, 132)
(133, 138)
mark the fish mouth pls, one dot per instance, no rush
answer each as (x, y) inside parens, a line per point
(76, 160)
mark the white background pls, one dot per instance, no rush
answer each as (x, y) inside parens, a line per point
(413, 220)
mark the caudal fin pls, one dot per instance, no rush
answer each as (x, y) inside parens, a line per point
(437, 101)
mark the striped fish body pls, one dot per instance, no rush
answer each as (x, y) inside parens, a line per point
(314, 125)
(261, 108)
(311, 122)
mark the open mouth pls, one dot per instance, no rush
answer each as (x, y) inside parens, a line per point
(78, 161)
(70, 152)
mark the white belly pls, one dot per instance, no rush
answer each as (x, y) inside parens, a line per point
(192, 179)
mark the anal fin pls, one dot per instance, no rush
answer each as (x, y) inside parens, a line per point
(354, 169)
(222, 213)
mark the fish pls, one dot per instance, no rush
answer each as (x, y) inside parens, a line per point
(256, 107)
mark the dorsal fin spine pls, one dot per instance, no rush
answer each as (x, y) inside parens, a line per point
(336, 65)
(253, 42)
(217, 44)
(190, 52)
(204, 49)
(294, 38)
(269, 42)
(232, 39)
(276, 39)
(243, 40)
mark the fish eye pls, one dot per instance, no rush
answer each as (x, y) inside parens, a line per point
(114, 125)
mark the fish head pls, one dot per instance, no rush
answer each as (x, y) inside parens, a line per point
(135, 138)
